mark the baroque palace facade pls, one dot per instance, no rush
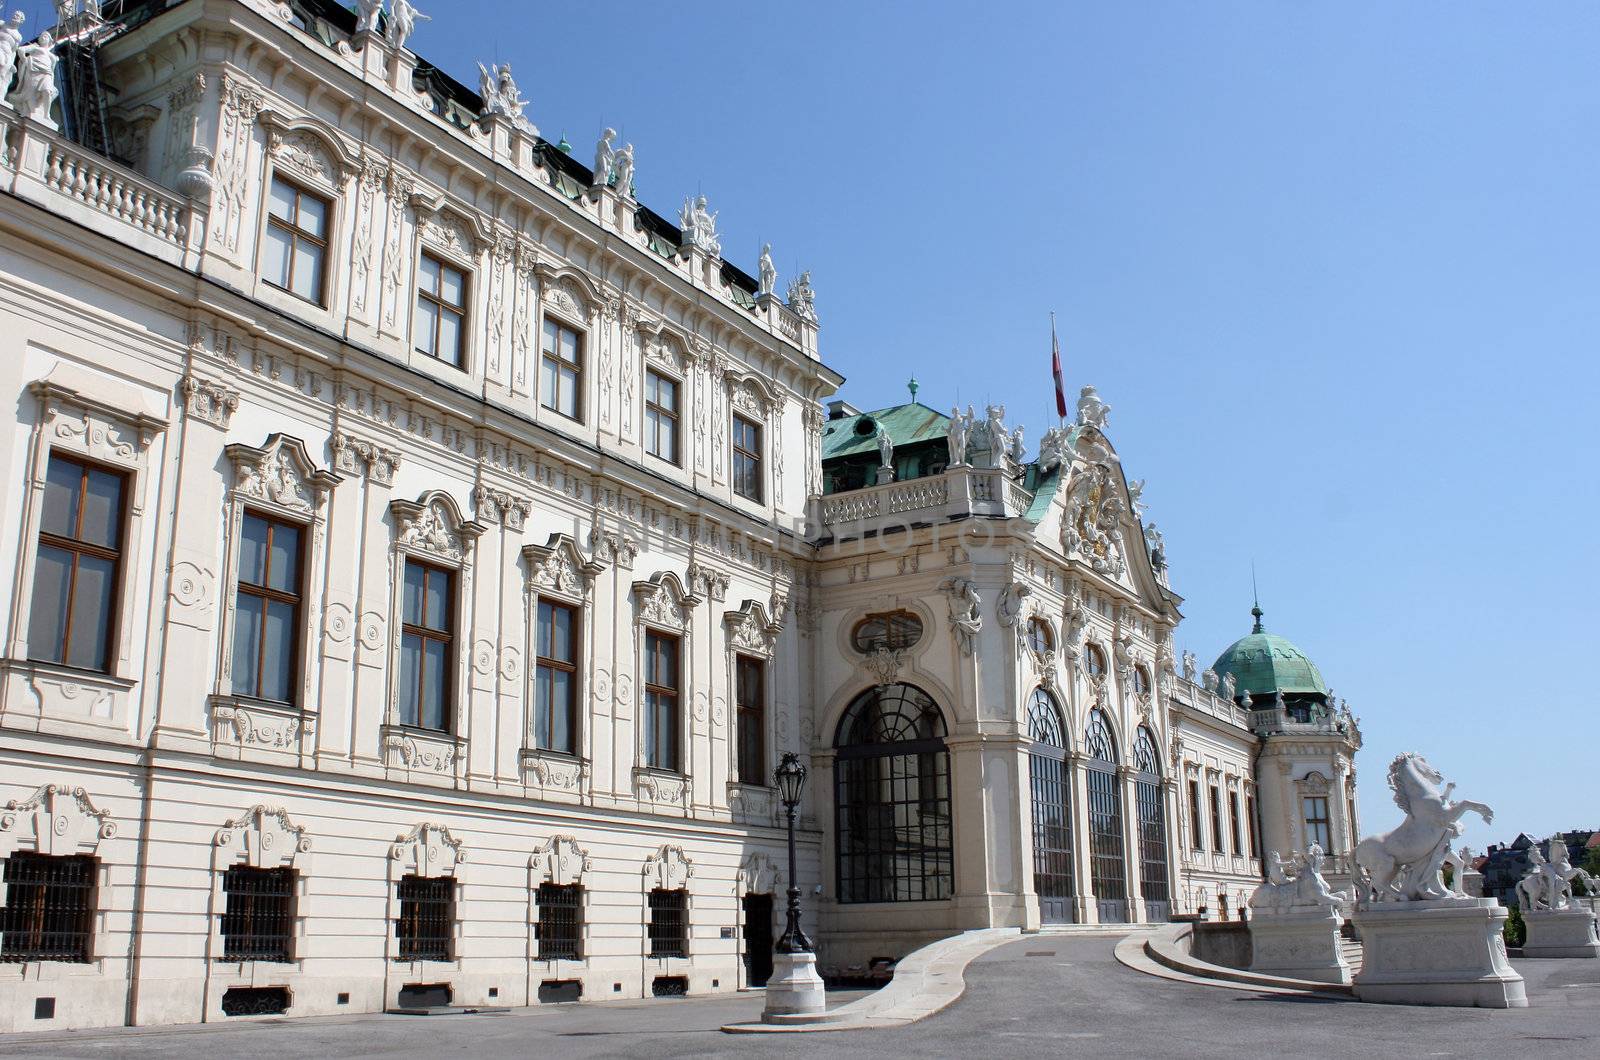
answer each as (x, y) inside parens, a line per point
(423, 553)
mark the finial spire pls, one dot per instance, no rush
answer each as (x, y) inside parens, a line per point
(1255, 595)
(912, 386)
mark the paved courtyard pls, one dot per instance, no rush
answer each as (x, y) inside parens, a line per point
(1041, 996)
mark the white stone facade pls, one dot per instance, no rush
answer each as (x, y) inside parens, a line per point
(143, 339)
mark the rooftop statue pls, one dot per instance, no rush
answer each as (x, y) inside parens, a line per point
(802, 299)
(1547, 887)
(605, 158)
(402, 22)
(1157, 545)
(622, 166)
(1055, 449)
(957, 434)
(995, 434)
(36, 79)
(885, 448)
(699, 225)
(1019, 449)
(768, 281)
(1208, 680)
(10, 41)
(367, 12)
(1092, 412)
(499, 90)
(1136, 491)
(1230, 686)
(1190, 663)
(1404, 865)
(1295, 886)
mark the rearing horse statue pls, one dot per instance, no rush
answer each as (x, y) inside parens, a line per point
(1405, 865)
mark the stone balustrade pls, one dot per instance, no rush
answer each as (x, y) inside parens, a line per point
(958, 493)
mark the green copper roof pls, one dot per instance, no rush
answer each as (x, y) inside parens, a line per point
(906, 424)
(1263, 663)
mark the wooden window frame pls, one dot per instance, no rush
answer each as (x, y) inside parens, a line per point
(572, 669)
(674, 415)
(78, 548)
(1041, 638)
(1218, 840)
(1094, 660)
(1197, 840)
(426, 634)
(1311, 823)
(296, 234)
(673, 694)
(295, 600)
(438, 301)
(755, 714)
(554, 355)
(753, 456)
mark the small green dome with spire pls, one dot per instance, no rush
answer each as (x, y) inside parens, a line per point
(1264, 663)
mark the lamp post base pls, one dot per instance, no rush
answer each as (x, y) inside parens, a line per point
(795, 988)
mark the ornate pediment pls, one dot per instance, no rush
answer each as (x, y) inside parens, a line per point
(432, 524)
(1092, 527)
(57, 820)
(663, 601)
(308, 149)
(558, 567)
(428, 850)
(568, 291)
(458, 233)
(280, 472)
(668, 869)
(749, 629)
(262, 837)
(560, 861)
(750, 394)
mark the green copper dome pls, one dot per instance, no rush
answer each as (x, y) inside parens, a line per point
(1264, 663)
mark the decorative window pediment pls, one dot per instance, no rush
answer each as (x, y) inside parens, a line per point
(98, 419)
(432, 525)
(760, 875)
(750, 394)
(568, 291)
(560, 861)
(441, 225)
(558, 567)
(308, 148)
(428, 850)
(280, 473)
(667, 869)
(1314, 783)
(663, 601)
(749, 629)
(262, 837)
(56, 820)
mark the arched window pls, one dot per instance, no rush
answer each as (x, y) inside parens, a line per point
(1107, 873)
(1095, 660)
(1052, 810)
(892, 631)
(1152, 828)
(892, 776)
(1040, 637)
(1141, 681)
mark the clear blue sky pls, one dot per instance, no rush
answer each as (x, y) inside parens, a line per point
(1333, 265)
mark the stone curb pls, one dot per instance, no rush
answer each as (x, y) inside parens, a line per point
(925, 981)
(1161, 956)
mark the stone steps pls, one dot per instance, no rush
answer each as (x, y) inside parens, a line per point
(1351, 951)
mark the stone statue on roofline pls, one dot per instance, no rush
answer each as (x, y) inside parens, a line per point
(885, 448)
(367, 14)
(995, 434)
(957, 434)
(699, 225)
(1092, 412)
(605, 157)
(622, 169)
(36, 80)
(1190, 663)
(1019, 448)
(500, 93)
(402, 22)
(1230, 686)
(10, 41)
(767, 281)
(802, 299)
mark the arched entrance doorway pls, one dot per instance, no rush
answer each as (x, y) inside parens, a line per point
(892, 799)
(1052, 810)
(1108, 873)
(1152, 829)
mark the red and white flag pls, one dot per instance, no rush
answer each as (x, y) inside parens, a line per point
(1055, 370)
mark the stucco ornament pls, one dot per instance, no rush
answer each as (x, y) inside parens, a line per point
(1093, 527)
(36, 79)
(501, 95)
(1056, 449)
(1547, 887)
(402, 22)
(1092, 412)
(958, 435)
(10, 41)
(1404, 865)
(699, 225)
(1295, 886)
(767, 271)
(966, 612)
(802, 299)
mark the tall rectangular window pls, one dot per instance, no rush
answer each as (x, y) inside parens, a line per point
(440, 328)
(49, 910)
(669, 923)
(258, 920)
(660, 416)
(661, 701)
(266, 632)
(1217, 843)
(555, 703)
(750, 691)
(560, 931)
(1234, 828)
(1250, 821)
(427, 636)
(746, 458)
(1197, 827)
(296, 251)
(561, 380)
(426, 924)
(79, 565)
(1315, 808)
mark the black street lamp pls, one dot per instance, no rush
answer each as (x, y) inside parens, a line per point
(791, 778)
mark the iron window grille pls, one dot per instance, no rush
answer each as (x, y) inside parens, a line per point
(266, 641)
(426, 925)
(258, 920)
(555, 720)
(750, 688)
(440, 329)
(427, 635)
(78, 567)
(561, 385)
(1052, 809)
(669, 923)
(661, 701)
(296, 251)
(49, 910)
(892, 799)
(746, 458)
(661, 416)
(560, 927)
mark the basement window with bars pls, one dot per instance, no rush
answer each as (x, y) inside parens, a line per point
(427, 917)
(258, 920)
(49, 910)
(560, 922)
(669, 923)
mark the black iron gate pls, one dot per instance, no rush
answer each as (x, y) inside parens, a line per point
(1052, 835)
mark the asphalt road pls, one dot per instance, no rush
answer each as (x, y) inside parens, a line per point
(1043, 996)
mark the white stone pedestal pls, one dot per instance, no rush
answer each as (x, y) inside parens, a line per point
(1299, 946)
(795, 988)
(1437, 953)
(1564, 933)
